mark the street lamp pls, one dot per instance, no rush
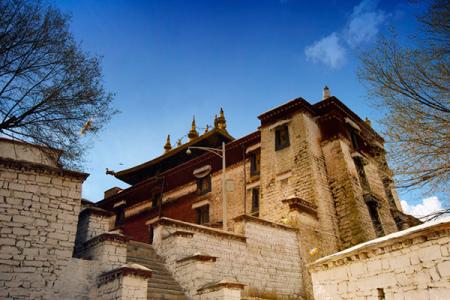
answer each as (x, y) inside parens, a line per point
(220, 153)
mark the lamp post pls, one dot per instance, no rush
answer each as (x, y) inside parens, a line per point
(220, 153)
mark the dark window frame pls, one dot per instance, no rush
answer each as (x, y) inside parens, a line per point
(202, 214)
(279, 143)
(375, 217)
(201, 190)
(255, 200)
(255, 163)
(364, 181)
(120, 216)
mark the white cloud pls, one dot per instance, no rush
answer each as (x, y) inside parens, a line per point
(427, 207)
(362, 26)
(364, 23)
(328, 51)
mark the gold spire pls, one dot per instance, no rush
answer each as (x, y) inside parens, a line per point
(221, 122)
(179, 143)
(215, 121)
(167, 146)
(206, 129)
(193, 132)
(368, 121)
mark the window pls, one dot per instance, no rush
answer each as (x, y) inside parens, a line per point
(155, 198)
(255, 163)
(381, 295)
(359, 164)
(373, 211)
(255, 200)
(281, 137)
(202, 214)
(120, 215)
(204, 185)
(388, 191)
(354, 138)
(398, 223)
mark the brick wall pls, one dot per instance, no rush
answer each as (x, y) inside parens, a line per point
(411, 264)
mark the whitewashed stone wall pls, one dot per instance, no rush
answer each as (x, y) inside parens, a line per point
(109, 249)
(92, 222)
(410, 264)
(262, 255)
(123, 286)
(39, 206)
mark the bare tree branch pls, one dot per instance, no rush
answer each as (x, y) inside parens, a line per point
(49, 87)
(413, 84)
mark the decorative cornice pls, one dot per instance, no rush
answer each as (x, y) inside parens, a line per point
(115, 237)
(301, 205)
(41, 168)
(199, 228)
(126, 270)
(248, 218)
(287, 108)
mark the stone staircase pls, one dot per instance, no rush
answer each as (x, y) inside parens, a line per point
(161, 286)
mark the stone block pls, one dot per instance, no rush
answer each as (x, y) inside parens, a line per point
(358, 268)
(23, 219)
(399, 262)
(444, 268)
(426, 254)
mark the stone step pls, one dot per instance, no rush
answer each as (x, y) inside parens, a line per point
(164, 291)
(164, 285)
(161, 286)
(157, 296)
(153, 267)
(166, 277)
(145, 260)
(162, 280)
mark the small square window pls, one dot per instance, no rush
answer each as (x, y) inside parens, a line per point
(204, 185)
(281, 137)
(202, 214)
(255, 200)
(255, 163)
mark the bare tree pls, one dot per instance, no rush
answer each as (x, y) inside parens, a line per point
(51, 92)
(412, 83)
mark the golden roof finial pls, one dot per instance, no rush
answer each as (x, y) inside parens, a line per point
(215, 121)
(368, 121)
(206, 129)
(221, 121)
(179, 143)
(167, 146)
(193, 132)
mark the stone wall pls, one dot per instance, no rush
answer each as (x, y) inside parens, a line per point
(352, 213)
(92, 222)
(410, 264)
(39, 206)
(263, 256)
(128, 282)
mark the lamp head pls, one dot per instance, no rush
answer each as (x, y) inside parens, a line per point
(188, 151)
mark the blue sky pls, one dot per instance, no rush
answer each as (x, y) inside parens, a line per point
(169, 60)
